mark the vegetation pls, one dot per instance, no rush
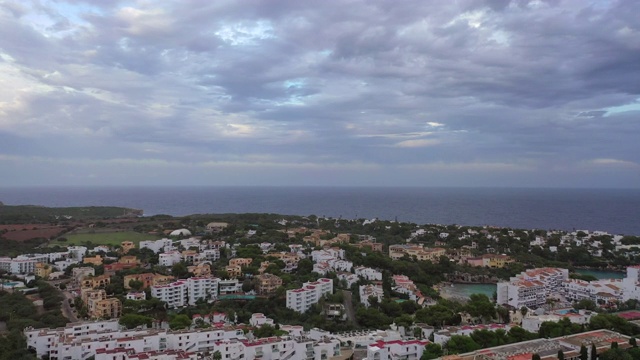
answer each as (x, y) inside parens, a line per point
(29, 214)
(106, 238)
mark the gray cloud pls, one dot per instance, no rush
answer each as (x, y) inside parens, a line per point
(516, 88)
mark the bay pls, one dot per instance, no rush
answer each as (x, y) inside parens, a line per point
(611, 210)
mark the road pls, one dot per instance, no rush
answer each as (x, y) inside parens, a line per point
(348, 305)
(67, 311)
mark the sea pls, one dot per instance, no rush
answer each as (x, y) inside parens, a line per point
(616, 211)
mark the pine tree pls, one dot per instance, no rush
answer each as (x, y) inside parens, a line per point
(584, 353)
(594, 352)
(560, 355)
(535, 357)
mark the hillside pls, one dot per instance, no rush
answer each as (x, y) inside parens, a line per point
(29, 214)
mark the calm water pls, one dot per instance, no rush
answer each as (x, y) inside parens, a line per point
(466, 290)
(601, 274)
(610, 210)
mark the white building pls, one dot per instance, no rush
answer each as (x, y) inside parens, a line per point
(76, 252)
(202, 288)
(532, 322)
(174, 294)
(210, 254)
(327, 254)
(348, 277)
(187, 292)
(368, 273)
(170, 258)
(229, 286)
(531, 287)
(258, 319)
(23, 264)
(62, 265)
(397, 349)
(441, 337)
(301, 299)
(136, 295)
(162, 245)
(366, 291)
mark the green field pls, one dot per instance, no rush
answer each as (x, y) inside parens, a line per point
(104, 238)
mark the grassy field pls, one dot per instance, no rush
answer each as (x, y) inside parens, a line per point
(104, 238)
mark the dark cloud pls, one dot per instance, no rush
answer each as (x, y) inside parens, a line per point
(487, 87)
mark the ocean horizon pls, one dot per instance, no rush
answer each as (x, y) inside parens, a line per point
(613, 210)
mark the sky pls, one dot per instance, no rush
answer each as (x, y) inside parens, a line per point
(320, 93)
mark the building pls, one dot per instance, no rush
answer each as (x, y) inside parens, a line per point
(136, 295)
(267, 284)
(146, 279)
(174, 294)
(374, 246)
(23, 264)
(367, 291)
(258, 319)
(242, 262)
(43, 270)
(162, 245)
(531, 287)
(126, 246)
(80, 273)
(215, 227)
(233, 271)
(99, 306)
(94, 260)
(187, 292)
(106, 340)
(368, 273)
(397, 349)
(229, 286)
(93, 282)
(416, 251)
(169, 258)
(310, 293)
(490, 260)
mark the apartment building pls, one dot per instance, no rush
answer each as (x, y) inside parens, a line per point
(310, 293)
(187, 292)
(367, 291)
(416, 251)
(531, 287)
(267, 284)
(146, 279)
(162, 245)
(368, 273)
(397, 349)
(169, 258)
(105, 340)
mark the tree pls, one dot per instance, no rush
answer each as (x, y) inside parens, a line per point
(584, 353)
(633, 342)
(131, 321)
(535, 357)
(180, 270)
(136, 284)
(560, 355)
(431, 351)
(594, 352)
(179, 322)
(458, 344)
(615, 354)
(217, 355)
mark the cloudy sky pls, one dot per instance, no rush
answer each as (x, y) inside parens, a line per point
(365, 93)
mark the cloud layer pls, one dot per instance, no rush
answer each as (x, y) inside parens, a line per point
(465, 93)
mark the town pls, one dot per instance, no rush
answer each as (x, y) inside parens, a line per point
(290, 287)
